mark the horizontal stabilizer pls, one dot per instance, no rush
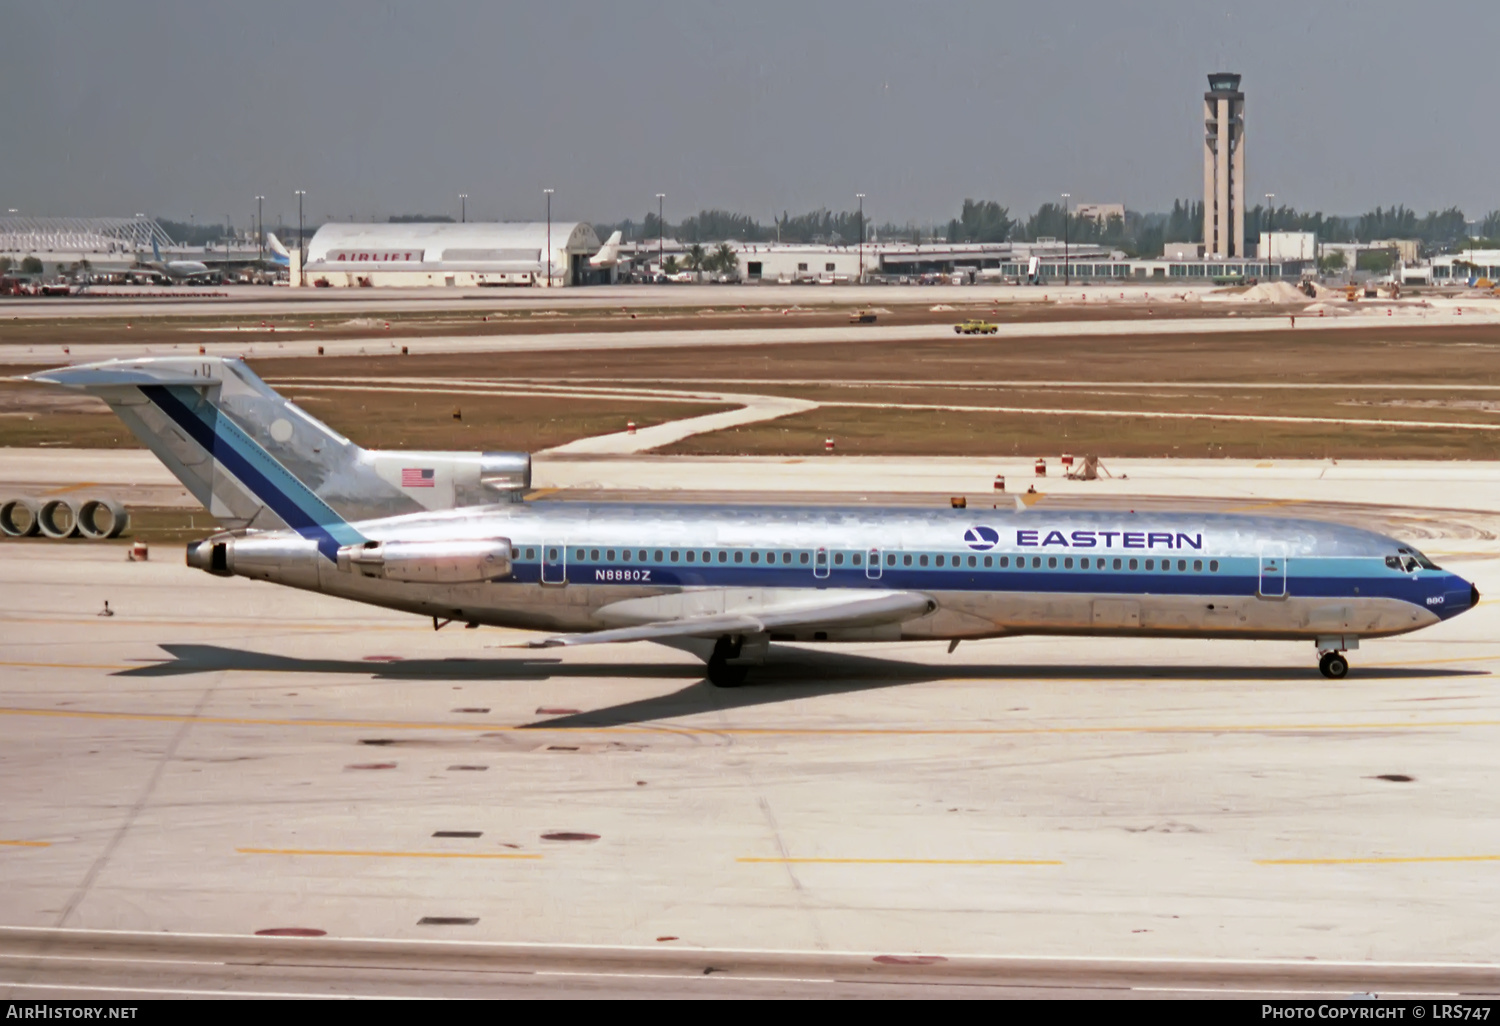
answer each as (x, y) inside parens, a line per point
(111, 373)
(826, 609)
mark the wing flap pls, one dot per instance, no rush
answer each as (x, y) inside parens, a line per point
(843, 610)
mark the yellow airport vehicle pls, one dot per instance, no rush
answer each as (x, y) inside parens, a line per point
(975, 328)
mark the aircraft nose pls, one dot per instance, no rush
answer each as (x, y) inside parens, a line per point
(1461, 597)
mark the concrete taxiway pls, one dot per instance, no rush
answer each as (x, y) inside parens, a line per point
(222, 757)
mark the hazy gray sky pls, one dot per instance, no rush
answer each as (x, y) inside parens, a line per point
(178, 108)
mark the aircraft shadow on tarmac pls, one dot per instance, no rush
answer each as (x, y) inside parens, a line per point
(789, 674)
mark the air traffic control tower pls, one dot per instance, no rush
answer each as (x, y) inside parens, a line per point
(1224, 167)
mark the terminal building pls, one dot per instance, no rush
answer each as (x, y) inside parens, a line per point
(533, 253)
(1046, 260)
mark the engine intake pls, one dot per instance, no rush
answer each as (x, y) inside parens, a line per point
(429, 562)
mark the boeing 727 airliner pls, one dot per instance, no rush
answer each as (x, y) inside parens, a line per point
(445, 535)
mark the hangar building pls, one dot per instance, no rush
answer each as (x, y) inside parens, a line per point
(473, 253)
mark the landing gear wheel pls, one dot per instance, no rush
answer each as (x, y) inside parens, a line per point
(720, 673)
(1334, 666)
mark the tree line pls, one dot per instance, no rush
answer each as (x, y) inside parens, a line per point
(1136, 233)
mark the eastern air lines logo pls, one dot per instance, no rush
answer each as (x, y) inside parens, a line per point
(981, 538)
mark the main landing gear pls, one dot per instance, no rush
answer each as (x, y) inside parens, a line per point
(720, 673)
(1333, 665)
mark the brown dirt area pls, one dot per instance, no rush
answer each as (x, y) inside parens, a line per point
(34, 415)
(1177, 367)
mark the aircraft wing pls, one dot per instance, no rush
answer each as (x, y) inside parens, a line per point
(831, 609)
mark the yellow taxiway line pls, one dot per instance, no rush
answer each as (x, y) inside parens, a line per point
(691, 731)
(350, 853)
(899, 862)
(1395, 860)
(25, 844)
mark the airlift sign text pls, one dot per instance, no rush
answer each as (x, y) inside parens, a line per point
(1106, 539)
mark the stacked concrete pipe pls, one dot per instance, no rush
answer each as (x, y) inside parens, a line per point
(96, 519)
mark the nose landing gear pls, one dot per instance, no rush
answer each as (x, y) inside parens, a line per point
(1333, 665)
(1331, 649)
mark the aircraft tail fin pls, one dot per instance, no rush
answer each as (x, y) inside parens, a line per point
(156, 251)
(251, 457)
(277, 252)
(256, 460)
(609, 253)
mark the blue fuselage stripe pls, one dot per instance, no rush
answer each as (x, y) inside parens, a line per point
(1440, 592)
(256, 469)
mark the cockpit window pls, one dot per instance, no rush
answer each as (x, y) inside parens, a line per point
(1409, 560)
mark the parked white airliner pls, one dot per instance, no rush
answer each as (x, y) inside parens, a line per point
(444, 535)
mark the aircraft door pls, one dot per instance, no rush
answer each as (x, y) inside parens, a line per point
(820, 564)
(1272, 576)
(554, 564)
(872, 568)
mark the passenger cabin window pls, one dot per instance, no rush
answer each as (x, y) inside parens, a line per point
(755, 557)
(906, 561)
(610, 555)
(708, 557)
(890, 560)
(658, 555)
(838, 559)
(1051, 562)
(674, 555)
(1134, 565)
(641, 555)
(690, 555)
(739, 557)
(988, 560)
(1068, 563)
(1213, 566)
(1197, 566)
(1117, 562)
(802, 558)
(939, 561)
(922, 560)
(723, 556)
(974, 561)
(855, 559)
(594, 555)
(1150, 564)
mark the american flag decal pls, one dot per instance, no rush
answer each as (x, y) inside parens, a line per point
(416, 477)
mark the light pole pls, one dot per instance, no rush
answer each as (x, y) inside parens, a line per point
(661, 233)
(549, 237)
(463, 208)
(861, 197)
(301, 255)
(1472, 271)
(1067, 270)
(260, 229)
